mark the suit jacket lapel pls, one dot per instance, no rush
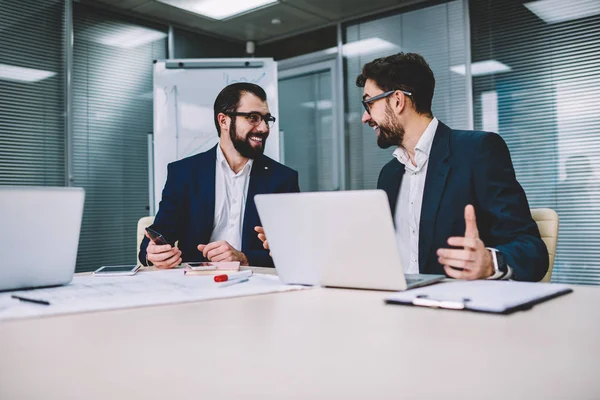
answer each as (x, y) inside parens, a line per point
(259, 183)
(435, 182)
(391, 184)
(206, 187)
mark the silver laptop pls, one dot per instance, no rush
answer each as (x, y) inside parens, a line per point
(39, 235)
(337, 239)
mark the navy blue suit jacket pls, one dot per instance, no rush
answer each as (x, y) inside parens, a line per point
(187, 208)
(469, 167)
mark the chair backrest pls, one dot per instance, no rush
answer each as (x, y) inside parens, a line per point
(143, 223)
(547, 222)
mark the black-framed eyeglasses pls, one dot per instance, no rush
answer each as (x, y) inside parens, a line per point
(368, 101)
(254, 118)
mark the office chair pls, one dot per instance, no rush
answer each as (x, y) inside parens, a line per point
(547, 222)
(143, 223)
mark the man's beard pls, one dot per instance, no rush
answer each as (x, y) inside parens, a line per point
(390, 132)
(243, 145)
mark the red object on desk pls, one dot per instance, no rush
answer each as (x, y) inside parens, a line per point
(238, 275)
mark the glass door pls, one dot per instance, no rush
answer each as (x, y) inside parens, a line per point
(308, 122)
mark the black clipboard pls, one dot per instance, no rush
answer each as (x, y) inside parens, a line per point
(497, 297)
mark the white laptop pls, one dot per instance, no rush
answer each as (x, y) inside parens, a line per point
(39, 235)
(337, 239)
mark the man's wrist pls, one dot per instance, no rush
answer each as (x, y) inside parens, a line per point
(244, 260)
(499, 267)
(490, 270)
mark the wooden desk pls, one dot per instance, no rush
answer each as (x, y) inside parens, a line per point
(321, 343)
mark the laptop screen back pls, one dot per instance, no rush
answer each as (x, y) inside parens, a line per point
(339, 239)
(39, 235)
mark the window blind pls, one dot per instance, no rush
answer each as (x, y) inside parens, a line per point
(32, 97)
(112, 118)
(541, 92)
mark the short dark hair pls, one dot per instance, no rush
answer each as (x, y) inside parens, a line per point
(228, 99)
(406, 71)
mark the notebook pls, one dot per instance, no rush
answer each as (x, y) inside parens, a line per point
(502, 297)
(210, 268)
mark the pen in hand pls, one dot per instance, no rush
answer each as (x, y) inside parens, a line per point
(27, 299)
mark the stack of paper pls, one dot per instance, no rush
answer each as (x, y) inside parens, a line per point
(93, 293)
(210, 268)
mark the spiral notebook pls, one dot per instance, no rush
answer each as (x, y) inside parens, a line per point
(501, 297)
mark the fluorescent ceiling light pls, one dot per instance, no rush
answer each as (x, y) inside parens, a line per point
(482, 68)
(366, 46)
(22, 74)
(319, 104)
(125, 36)
(219, 9)
(553, 11)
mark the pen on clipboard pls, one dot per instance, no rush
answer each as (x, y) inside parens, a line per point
(29, 300)
(424, 300)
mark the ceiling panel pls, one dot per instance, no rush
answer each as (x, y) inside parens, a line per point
(296, 16)
(126, 4)
(175, 15)
(257, 25)
(341, 9)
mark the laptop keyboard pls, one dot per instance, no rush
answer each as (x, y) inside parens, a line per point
(412, 279)
(416, 280)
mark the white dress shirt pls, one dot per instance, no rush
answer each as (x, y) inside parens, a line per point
(231, 190)
(407, 215)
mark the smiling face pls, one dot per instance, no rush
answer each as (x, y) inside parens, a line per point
(382, 118)
(249, 140)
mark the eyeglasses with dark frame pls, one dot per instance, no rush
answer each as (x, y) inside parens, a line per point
(254, 118)
(368, 101)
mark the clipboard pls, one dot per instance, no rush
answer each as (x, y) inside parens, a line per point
(498, 297)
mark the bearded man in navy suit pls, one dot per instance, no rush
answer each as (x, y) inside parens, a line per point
(457, 206)
(208, 200)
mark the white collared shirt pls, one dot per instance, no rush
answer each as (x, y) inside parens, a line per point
(407, 215)
(231, 190)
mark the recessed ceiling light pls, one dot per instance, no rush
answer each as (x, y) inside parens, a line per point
(482, 68)
(276, 21)
(219, 9)
(365, 46)
(553, 11)
(125, 36)
(22, 74)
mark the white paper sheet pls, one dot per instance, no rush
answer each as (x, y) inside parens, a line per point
(94, 293)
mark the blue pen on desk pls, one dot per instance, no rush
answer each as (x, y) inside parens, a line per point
(27, 299)
(233, 282)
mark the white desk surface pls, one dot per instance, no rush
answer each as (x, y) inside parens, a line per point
(320, 343)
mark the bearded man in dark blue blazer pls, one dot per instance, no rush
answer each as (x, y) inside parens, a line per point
(457, 206)
(208, 200)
